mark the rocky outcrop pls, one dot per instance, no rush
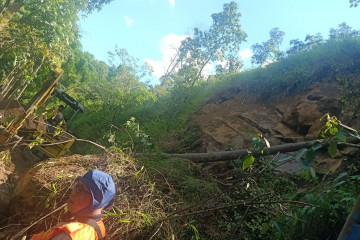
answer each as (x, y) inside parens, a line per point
(231, 123)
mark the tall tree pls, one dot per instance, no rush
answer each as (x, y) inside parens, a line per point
(342, 32)
(221, 42)
(106, 90)
(310, 41)
(354, 3)
(10, 7)
(270, 50)
(39, 36)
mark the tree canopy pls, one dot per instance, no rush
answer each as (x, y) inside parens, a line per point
(268, 51)
(220, 43)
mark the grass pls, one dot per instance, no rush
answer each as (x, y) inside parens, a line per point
(180, 177)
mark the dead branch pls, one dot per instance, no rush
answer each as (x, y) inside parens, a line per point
(34, 223)
(96, 144)
(250, 203)
(232, 155)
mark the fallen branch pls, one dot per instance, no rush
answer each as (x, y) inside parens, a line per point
(96, 144)
(236, 205)
(232, 155)
(36, 222)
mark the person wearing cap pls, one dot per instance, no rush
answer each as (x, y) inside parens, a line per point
(90, 194)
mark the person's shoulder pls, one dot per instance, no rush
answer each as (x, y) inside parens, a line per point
(67, 228)
(61, 236)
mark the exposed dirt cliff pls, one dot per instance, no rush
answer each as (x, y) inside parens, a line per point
(230, 119)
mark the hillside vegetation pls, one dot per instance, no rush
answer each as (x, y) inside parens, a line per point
(173, 197)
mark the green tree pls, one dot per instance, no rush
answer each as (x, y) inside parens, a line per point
(310, 41)
(106, 91)
(37, 39)
(232, 65)
(219, 43)
(343, 31)
(354, 3)
(269, 50)
(8, 8)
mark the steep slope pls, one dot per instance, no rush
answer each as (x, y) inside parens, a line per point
(230, 120)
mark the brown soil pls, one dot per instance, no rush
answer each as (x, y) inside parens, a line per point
(234, 121)
(231, 119)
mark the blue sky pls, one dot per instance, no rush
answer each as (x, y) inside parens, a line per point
(149, 29)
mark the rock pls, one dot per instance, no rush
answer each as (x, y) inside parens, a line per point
(284, 119)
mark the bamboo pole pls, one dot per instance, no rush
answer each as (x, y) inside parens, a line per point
(232, 155)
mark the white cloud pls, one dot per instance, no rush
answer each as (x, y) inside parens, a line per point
(245, 54)
(172, 3)
(267, 62)
(208, 69)
(128, 21)
(223, 63)
(168, 46)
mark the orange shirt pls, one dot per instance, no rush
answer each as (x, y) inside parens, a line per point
(76, 230)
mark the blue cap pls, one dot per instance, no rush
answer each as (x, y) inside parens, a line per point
(102, 188)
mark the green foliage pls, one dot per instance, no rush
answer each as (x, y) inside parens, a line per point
(350, 95)
(334, 132)
(37, 139)
(50, 201)
(297, 71)
(191, 231)
(106, 92)
(259, 146)
(330, 200)
(251, 221)
(180, 177)
(354, 3)
(342, 32)
(248, 161)
(96, 5)
(134, 129)
(218, 43)
(40, 37)
(328, 213)
(297, 46)
(268, 51)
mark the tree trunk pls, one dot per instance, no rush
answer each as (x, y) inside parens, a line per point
(28, 82)
(8, 86)
(232, 155)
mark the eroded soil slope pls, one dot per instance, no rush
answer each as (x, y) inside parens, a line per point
(230, 119)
